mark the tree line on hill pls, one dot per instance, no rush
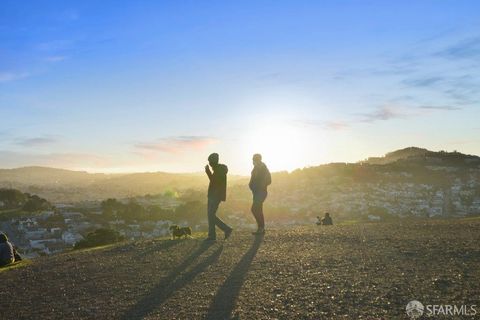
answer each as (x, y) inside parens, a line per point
(12, 199)
(99, 237)
(190, 209)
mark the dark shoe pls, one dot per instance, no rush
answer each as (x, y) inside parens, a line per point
(228, 233)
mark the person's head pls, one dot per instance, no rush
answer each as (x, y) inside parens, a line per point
(213, 159)
(3, 237)
(257, 159)
(327, 215)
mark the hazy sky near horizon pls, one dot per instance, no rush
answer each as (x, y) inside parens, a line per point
(115, 86)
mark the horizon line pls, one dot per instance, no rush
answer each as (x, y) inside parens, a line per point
(90, 171)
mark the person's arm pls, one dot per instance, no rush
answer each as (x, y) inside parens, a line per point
(252, 182)
(208, 172)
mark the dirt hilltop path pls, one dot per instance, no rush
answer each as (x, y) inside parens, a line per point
(366, 271)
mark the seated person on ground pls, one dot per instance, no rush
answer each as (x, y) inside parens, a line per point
(7, 254)
(327, 220)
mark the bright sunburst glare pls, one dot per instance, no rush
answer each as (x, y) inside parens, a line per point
(282, 145)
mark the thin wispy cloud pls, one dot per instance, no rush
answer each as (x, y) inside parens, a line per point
(466, 49)
(459, 57)
(463, 96)
(459, 89)
(12, 76)
(403, 98)
(54, 45)
(440, 108)
(176, 144)
(55, 58)
(402, 112)
(329, 125)
(336, 125)
(384, 113)
(35, 142)
(423, 82)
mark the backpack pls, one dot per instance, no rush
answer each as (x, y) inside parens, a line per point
(268, 177)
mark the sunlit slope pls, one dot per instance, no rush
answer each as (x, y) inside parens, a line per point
(339, 272)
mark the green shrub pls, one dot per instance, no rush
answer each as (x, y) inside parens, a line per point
(99, 237)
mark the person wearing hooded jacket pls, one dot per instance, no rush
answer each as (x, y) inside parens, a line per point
(217, 192)
(7, 253)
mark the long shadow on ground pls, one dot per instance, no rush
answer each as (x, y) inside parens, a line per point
(226, 297)
(172, 282)
(159, 246)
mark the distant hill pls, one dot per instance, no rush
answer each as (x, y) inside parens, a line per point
(67, 185)
(398, 155)
(49, 176)
(317, 184)
(419, 154)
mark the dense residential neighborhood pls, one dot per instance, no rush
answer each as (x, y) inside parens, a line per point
(57, 230)
(52, 231)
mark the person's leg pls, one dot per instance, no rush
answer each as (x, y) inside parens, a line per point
(257, 210)
(261, 218)
(254, 210)
(212, 210)
(222, 225)
(219, 223)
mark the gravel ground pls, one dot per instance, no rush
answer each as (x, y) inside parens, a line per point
(365, 271)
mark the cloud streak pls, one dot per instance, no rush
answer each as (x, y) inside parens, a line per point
(336, 125)
(440, 108)
(384, 113)
(466, 49)
(55, 58)
(423, 82)
(12, 76)
(35, 142)
(177, 144)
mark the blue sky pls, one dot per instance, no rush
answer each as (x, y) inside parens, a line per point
(111, 86)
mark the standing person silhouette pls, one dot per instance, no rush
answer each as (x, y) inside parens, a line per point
(259, 181)
(217, 192)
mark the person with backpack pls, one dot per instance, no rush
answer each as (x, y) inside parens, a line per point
(259, 181)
